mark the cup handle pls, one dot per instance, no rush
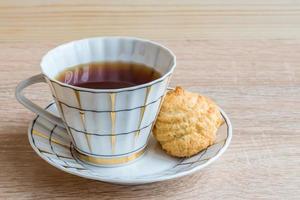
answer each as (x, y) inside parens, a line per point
(32, 106)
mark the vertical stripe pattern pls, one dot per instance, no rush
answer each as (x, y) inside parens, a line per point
(142, 112)
(82, 118)
(113, 121)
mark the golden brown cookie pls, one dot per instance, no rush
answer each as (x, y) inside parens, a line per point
(187, 123)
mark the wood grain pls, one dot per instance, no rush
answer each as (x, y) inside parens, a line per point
(243, 55)
(193, 19)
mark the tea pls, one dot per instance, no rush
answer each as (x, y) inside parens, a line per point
(108, 75)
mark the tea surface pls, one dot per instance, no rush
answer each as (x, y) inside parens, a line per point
(108, 75)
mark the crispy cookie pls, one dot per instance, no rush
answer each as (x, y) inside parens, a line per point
(187, 123)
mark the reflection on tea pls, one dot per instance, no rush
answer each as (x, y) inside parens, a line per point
(108, 75)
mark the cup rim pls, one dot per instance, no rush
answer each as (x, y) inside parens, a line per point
(82, 89)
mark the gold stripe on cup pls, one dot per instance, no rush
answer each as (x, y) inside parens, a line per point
(82, 118)
(137, 134)
(59, 106)
(160, 103)
(113, 121)
(67, 127)
(109, 161)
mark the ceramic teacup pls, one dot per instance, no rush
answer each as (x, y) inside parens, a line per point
(108, 127)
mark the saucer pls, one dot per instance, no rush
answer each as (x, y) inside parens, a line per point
(54, 145)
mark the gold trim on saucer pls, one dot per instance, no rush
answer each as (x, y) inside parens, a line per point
(35, 132)
(108, 161)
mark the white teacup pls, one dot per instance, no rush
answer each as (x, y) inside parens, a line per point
(107, 126)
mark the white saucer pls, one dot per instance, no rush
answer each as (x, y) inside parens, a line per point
(53, 144)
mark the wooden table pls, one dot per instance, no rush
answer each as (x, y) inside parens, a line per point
(245, 55)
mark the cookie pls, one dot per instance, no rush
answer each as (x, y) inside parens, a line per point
(187, 123)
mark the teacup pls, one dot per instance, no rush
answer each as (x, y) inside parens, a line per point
(108, 127)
